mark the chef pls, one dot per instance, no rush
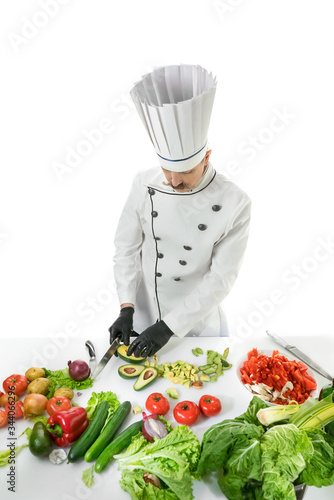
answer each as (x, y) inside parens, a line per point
(183, 231)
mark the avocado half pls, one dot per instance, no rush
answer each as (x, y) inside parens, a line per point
(130, 371)
(146, 378)
(122, 352)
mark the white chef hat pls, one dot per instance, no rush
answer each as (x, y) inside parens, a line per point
(175, 104)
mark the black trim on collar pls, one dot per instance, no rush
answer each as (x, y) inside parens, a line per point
(182, 194)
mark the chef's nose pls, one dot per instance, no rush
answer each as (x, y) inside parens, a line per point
(176, 178)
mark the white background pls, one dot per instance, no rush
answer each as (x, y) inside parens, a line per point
(65, 72)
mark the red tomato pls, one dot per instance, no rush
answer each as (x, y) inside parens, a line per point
(186, 413)
(17, 411)
(3, 418)
(210, 406)
(58, 403)
(16, 383)
(157, 403)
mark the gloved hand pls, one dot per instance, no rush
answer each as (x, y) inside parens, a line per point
(151, 340)
(123, 326)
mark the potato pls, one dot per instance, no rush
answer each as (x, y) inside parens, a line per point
(34, 373)
(39, 386)
(64, 391)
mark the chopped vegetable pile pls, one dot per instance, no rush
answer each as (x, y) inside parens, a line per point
(277, 379)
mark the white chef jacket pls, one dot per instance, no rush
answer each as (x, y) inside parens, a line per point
(178, 254)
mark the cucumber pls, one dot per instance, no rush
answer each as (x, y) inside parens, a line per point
(121, 442)
(81, 445)
(108, 432)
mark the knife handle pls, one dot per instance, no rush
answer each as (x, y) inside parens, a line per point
(278, 340)
(90, 349)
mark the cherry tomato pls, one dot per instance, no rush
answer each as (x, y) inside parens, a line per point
(58, 403)
(209, 405)
(157, 403)
(4, 398)
(18, 409)
(3, 418)
(16, 383)
(186, 413)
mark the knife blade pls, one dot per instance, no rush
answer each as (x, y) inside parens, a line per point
(104, 360)
(301, 355)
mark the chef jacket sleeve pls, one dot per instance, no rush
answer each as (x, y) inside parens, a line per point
(226, 261)
(128, 242)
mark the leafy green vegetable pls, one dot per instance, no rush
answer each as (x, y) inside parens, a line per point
(285, 450)
(134, 484)
(87, 477)
(96, 398)
(61, 378)
(172, 459)
(39, 418)
(319, 470)
(221, 438)
(5, 458)
(259, 463)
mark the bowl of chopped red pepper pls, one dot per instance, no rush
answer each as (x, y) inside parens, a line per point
(276, 379)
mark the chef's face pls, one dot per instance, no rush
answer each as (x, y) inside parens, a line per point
(188, 180)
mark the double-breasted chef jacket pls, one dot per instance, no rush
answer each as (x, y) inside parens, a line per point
(178, 254)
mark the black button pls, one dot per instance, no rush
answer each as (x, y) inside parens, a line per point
(158, 275)
(154, 213)
(157, 238)
(202, 227)
(151, 191)
(186, 247)
(177, 279)
(182, 262)
(216, 208)
(160, 255)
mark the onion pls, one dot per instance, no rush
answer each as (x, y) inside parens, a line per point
(153, 428)
(34, 404)
(78, 370)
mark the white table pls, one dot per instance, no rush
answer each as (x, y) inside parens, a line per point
(38, 479)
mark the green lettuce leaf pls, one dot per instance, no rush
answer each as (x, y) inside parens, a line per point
(173, 459)
(87, 477)
(61, 378)
(97, 398)
(285, 452)
(319, 470)
(134, 484)
(243, 464)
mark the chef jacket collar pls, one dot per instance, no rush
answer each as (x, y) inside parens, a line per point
(204, 181)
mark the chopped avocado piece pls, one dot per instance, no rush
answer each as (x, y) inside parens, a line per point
(147, 376)
(211, 356)
(187, 383)
(130, 371)
(204, 378)
(225, 353)
(137, 410)
(210, 370)
(197, 351)
(172, 393)
(213, 378)
(122, 353)
(147, 363)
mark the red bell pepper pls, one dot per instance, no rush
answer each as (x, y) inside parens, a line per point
(67, 426)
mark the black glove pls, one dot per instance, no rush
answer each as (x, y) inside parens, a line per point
(123, 326)
(151, 340)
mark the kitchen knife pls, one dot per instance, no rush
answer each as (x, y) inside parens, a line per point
(110, 352)
(92, 355)
(299, 354)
